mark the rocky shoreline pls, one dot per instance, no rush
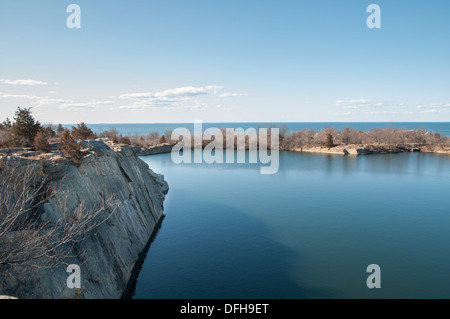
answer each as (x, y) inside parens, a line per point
(355, 149)
(111, 252)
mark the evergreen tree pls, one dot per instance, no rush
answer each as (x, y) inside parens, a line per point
(329, 142)
(6, 125)
(59, 129)
(24, 128)
(82, 132)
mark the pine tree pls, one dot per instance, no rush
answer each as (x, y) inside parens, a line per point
(82, 132)
(329, 142)
(59, 129)
(6, 125)
(24, 128)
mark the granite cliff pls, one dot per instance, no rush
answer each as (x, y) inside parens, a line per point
(111, 251)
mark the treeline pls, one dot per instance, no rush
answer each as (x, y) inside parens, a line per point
(150, 139)
(25, 131)
(380, 136)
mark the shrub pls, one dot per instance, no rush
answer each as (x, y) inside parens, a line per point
(41, 142)
(5, 136)
(82, 132)
(48, 131)
(162, 140)
(6, 125)
(124, 140)
(70, 147)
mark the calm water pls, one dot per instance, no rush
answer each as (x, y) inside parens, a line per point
(309, 231)
(143, 129)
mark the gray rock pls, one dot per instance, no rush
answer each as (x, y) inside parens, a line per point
(113, 249)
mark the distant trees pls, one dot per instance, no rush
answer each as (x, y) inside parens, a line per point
(387, 136)
(59, 129)
(6, 125)
(151, 139)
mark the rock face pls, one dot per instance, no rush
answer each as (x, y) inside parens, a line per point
(113, 249)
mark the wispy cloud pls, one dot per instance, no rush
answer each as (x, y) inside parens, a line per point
(232, 94)
(35, 99)
(22, 82)
(358, 104)
(85, 105)
(389, 108)
(170, 94)
(433, 106)
(19, 96)
(170, 98)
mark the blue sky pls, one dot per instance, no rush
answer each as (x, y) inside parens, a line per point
(179, 61)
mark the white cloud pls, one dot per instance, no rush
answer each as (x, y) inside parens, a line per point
(432, 106)
(23, 82)
(174, 94)
(429, 111)
(381, 113)
(170, 98)
(19, 96)
(85, 105)
(358, 104)
(232, 94)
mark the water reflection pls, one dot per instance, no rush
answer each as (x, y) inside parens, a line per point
(307, 232)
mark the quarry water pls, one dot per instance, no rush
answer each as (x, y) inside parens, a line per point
(309, 231)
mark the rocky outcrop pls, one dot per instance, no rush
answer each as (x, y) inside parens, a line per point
(112, 251)
(157, 149)
(435, 149)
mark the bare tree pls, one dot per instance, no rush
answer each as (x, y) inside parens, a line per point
(29, 240)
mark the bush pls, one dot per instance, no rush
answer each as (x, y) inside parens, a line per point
(48, 131)
(124, 140)
(41, 143)
(82, 132)
(162, 140)
(70, 147)
(6, 125)
(5, 136)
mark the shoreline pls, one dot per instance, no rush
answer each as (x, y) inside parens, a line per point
(355, 149)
